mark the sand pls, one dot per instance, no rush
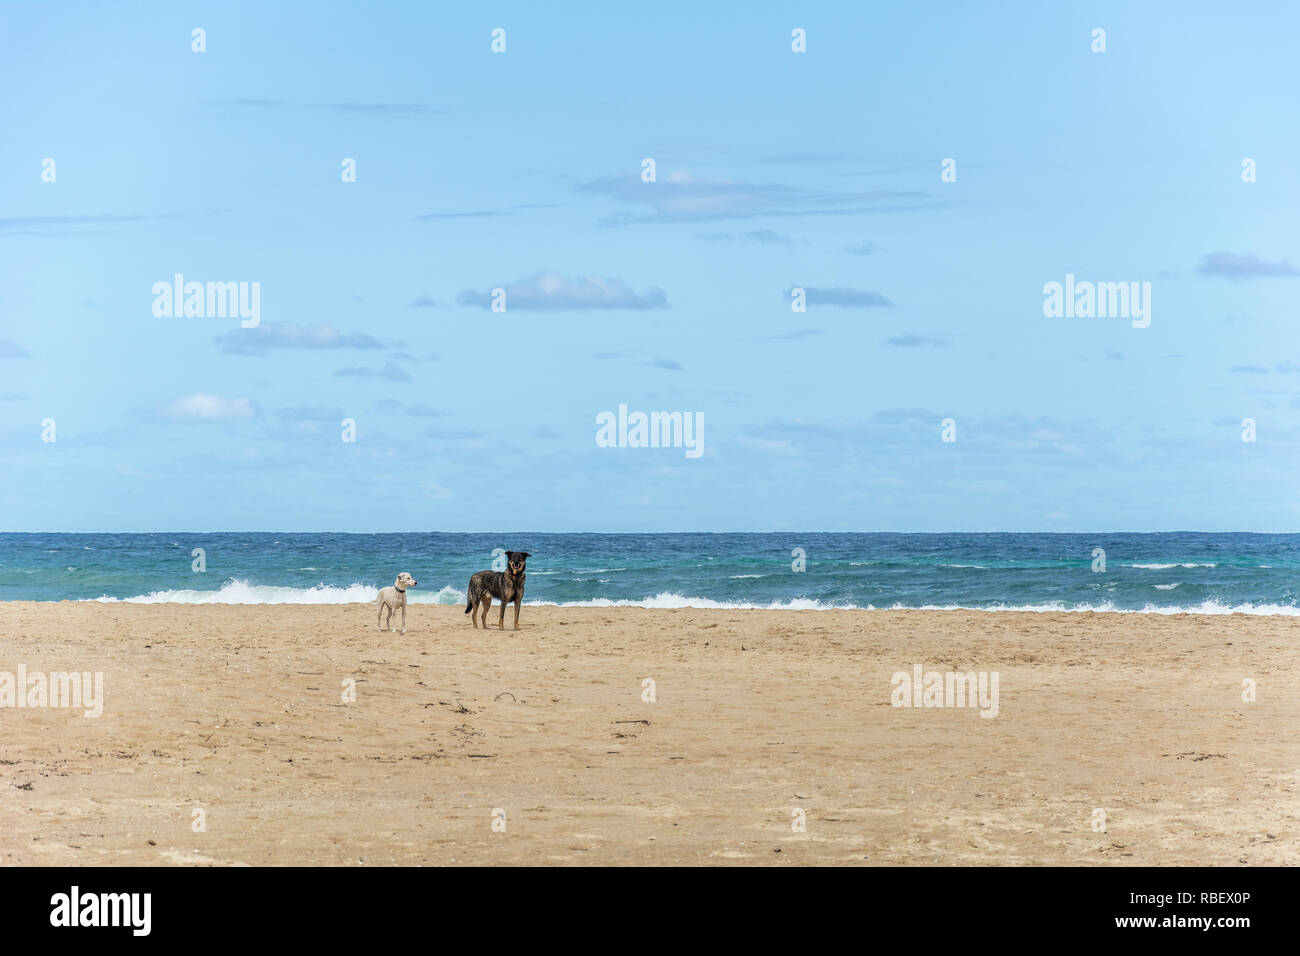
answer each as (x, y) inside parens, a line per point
(237, 711)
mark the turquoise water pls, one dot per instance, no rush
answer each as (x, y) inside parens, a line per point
(1160, 573)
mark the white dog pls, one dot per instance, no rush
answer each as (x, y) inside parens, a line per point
(393, 598)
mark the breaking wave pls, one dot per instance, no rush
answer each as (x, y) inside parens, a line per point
(242, 592)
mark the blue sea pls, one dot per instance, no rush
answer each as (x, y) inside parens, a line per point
(1152, 573)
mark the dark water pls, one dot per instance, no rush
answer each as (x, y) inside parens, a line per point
(1206, 572)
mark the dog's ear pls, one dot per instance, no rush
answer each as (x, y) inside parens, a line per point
(523, 554)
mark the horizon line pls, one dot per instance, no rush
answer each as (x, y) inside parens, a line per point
(792, 531)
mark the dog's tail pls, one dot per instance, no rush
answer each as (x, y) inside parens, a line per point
(469, 603)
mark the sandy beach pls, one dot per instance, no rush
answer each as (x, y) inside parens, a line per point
(239, 712)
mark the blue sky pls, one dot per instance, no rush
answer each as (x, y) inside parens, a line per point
(775, 170)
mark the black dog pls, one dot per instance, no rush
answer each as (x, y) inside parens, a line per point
(505, 586)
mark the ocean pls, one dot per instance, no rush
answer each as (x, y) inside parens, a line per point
(1168, 573)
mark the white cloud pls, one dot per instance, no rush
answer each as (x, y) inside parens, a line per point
(201, 407)
(1229, 265)
(291, 335)
(679, 196)
(549, 290)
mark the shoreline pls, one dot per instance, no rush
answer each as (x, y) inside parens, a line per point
(237, 710)
(1263, 611)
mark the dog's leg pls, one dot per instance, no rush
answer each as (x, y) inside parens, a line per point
(403, 617)
(518, 600)
(380, 617)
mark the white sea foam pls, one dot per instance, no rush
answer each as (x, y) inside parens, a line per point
(242, 592)
(1166, 567)
(668, 599)
(672, 600)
